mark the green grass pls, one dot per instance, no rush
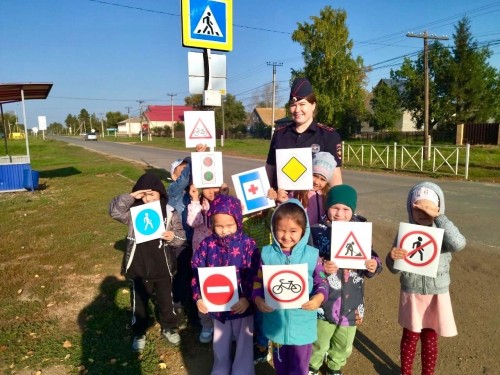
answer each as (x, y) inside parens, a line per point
(60, 261)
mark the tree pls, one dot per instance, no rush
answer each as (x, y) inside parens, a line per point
(386, 105)
(463, 87)
(264, 97)
(234, 113)
(336, 76)
(474, 88)
(195, 101)
(113, 118)
(71, 123)
(9, 119)
(55, 128)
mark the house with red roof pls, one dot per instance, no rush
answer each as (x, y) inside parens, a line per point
(161, 115)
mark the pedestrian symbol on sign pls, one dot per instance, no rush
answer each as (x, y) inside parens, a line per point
(207, 25)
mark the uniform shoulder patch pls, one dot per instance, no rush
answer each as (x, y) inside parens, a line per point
(326, 127)
(285, 126)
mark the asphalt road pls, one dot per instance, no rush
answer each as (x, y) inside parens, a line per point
(472, 206)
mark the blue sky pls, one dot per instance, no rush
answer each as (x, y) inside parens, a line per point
(107, 55)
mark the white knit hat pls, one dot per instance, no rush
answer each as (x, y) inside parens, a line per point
(324, 164)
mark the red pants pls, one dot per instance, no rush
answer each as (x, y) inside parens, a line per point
(429, 350)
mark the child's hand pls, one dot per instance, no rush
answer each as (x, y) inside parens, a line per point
(397, 253)
(430, 208)
(168, 235)
(201, 306)
(193, 193)
(272, 194)
(371, 265)
(262, 305)
(139, 194)
(224, 189)
(282, 196)
(200, 147)
(314, 302)
(330, 267)
(241, 306)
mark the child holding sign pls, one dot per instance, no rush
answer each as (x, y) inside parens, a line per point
(344, 309)
(150, 266)
(425, 307)
(292, 331)
(229, 246)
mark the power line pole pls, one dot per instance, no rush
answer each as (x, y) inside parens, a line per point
(426, 37)
(128, 123)
(140, 116)
(274, 65)
(172, 108)
(102, 125)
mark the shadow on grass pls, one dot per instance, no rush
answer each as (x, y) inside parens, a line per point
(60, 172)
(382, 363)
(106, 344)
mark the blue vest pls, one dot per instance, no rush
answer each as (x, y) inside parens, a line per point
(291, 326)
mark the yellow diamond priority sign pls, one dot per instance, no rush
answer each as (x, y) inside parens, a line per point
(293, 169)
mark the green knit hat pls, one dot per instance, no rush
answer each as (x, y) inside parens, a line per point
(343, 194)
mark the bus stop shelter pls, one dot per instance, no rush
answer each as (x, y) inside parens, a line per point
(15, 171)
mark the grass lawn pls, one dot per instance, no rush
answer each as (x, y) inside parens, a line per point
(63, 302)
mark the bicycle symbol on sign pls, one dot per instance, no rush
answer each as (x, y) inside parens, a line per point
(295, 288)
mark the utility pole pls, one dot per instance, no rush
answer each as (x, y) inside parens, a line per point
(102, 125)
(274, 65)
(140, 116)
(426, 37)
(172, 109)
(128, 123)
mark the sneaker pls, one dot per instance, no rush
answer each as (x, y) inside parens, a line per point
(311, 372)
(333, 372)
(138, 343)
(206, 335)
(172, 336)
(259, 354)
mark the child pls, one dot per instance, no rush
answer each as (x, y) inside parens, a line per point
(258, 226)
(344, 309)
(292, 331)
(197, 218)
(229, 246)
(150, 266)
(424, 306)
(324, 165)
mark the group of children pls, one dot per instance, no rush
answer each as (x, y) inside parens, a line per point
(208, 230)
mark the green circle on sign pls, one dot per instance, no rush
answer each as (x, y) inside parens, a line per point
(209, 176)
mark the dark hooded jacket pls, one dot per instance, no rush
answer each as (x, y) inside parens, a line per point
(154, 259)
(236, 249)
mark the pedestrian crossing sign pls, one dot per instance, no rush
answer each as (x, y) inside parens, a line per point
(207, 24)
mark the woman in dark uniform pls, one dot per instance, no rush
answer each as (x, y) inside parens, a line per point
(303, 131)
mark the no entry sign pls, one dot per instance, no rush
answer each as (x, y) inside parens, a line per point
(218, 287)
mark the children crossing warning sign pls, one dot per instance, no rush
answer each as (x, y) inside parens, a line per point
(351, 244)
(207, 24)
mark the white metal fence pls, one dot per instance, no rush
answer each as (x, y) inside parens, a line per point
(451, 160)
(19, 159)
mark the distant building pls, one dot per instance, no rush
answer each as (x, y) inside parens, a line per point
(265, 116)
(130, 126)
(161, 115)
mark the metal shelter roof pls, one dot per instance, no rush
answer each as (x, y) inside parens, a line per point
(11, 92)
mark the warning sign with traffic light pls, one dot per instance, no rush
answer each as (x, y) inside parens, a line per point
(207, 169)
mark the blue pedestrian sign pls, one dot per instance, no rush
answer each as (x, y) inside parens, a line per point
(207, 24)
(147, 221)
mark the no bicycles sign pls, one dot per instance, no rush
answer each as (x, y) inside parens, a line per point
(286, 287)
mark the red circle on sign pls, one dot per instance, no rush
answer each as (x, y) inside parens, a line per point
(432, 240)
(286, 300)
(208, 161)
(218, 289)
